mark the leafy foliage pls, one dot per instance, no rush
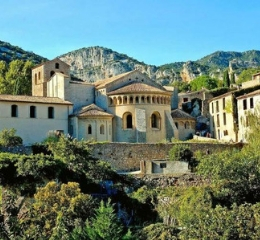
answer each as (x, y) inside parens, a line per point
(15, 78)
(55, 209)
(9, 139)
(246, 75)
(181, 85)
(203, 82)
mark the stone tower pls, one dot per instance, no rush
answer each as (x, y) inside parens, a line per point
(42, 73)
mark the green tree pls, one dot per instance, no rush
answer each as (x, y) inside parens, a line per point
(203, 82)
(181, 85)
(55, 209)
(226, 80)
(8, 138)
(17, 79)
(232, 78)
(246, 75)
(105, 224)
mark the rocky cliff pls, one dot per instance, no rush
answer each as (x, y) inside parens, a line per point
(94, 63)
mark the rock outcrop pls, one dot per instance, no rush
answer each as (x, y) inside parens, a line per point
(95, 63)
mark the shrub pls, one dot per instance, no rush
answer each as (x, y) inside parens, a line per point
(180, 152)
(9, 139)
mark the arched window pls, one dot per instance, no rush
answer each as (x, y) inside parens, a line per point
(125, 100)
(102, 129)
(127, 120)
(14, 111)
(57, 65)
(52, 73)
(131, 100)
(89, 129)
(156, 120)
(32, 112)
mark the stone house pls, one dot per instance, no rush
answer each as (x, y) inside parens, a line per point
(223, 121)
(184, 124)
(129, 107)
(34, 117)
(245, 104)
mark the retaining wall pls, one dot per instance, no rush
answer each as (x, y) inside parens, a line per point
(127, 156)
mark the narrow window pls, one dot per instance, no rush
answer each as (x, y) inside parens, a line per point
(218, 120)
(39, 75)
(224, 103)
(217, 108)
(57, 65)
(102, 129)
(224, 119)
(14, 111)
(155, 120)
(35, 78)
(32, 112)
(50, 112)
(212, 107)
(244, 104)
(251, 103)
(129, 121)
(176, 124)
(89, 129)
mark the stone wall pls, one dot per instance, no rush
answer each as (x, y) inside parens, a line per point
(127, 156)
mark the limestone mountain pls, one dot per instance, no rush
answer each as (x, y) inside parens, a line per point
(94, 63)
(9, 52)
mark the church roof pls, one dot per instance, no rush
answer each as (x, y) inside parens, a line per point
(92, 110)
(102, 83)
(178, 113)
(137, 88)
(33, 99)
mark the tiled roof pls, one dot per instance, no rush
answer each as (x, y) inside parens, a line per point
(92, 110)
(104, 82)
(33, 99)
(136, 88)
(178, 113)
(257, 92)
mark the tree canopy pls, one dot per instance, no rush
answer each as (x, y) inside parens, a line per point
(203, 82)
(15, 78)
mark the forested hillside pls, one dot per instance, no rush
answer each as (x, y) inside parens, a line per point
(9, 53)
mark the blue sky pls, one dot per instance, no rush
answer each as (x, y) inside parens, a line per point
(155, 32)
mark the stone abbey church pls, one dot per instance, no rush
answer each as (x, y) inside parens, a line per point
(129, 107)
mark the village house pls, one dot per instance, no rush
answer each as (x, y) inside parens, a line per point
(129, 107)
(245, 104)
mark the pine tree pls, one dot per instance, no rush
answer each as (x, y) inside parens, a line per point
(105, 225)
